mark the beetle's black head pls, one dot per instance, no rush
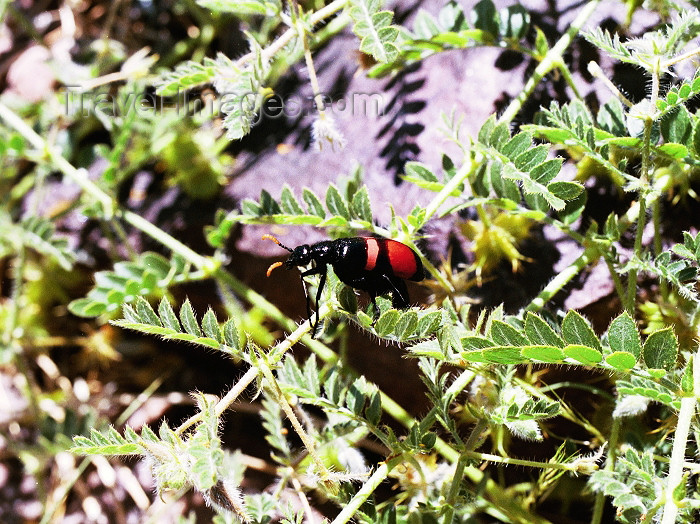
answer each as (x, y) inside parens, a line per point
(301, 256)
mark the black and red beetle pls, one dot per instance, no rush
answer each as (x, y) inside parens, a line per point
(375, 265)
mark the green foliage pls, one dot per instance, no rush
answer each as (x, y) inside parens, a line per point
(351, 207)
(38, 234)
(399, 325)
(248, 7)
(245, 90)
(514, 160)
(654, 45)
(348, 206)
(487, 374)
(177, 462)
(166, 324)
(373, 28)
(535, 341)
(110, 442)
(148, 275)
(191, 74)
(637, 496)
(455, 28)
(243, 86)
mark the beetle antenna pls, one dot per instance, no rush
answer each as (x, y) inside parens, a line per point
(273, 267)
(280, 244)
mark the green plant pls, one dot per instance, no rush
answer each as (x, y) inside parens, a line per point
(481, 369)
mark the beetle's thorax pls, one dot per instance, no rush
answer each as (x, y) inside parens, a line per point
(321, 253)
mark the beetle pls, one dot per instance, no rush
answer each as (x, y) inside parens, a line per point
(375, 265)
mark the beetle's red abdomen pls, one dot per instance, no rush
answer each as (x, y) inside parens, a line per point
(403, 261)
(392, 258)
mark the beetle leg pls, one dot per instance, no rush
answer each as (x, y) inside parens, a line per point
(318, 270)
(399, 292)
(321, 285)
(308, 300)
(376, 308)
(314, 271)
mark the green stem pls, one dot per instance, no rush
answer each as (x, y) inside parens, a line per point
(79, 176)
(454, 489)
(309, 444)
(363, 494)
(552, 60)
(617, 281)
(680, 443)
(447, 190)
(483, 216)
(432, 208)
(275, 355)
(286, 37)
(566, 73)
(644, 179)
(475, 435)
(656, 217)
(555, 285)
(630, 303)
(498, 459)
(599, 504)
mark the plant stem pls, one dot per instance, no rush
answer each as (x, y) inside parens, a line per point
(289, 34)
(656, 217)
(281, 399)
(680, 442)
(644, 179)
(672, 61)
(304, 500)
(454, 489)
(483, 216)
(249, 377)
(566, 73)
(363, 494)
(589, 255)
(447, 190)
(299, 26)
(498, 459)
(619, 288)
(599, 504)
(432, 209)
(595, 70)
(552, 60)
(79, 176)
(632, 277)
(474, 436)
(225, 402)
